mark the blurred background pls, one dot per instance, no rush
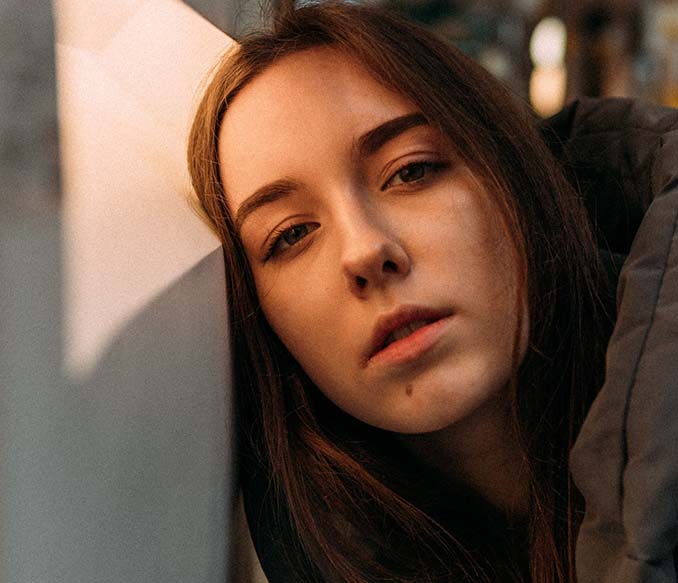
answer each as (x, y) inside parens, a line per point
(550, 51)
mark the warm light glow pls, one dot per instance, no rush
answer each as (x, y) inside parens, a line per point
(548, 83)
(547, 89)
(547, 45)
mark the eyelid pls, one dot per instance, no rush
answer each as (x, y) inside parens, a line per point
(277, 233)
(434, 161)
(278, 227)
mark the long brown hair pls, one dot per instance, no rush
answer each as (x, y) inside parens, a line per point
(353, 513)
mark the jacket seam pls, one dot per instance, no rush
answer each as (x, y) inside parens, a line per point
(634, 374)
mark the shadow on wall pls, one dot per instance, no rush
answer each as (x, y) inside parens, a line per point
(124, 477)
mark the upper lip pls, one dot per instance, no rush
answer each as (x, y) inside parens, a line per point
(403, 315)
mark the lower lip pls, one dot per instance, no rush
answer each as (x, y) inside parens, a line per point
(413, 346)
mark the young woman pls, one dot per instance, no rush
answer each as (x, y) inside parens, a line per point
(419, 313)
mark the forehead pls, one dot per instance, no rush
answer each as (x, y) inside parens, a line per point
(305, 106)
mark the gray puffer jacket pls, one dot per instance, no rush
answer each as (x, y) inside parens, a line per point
(625, 460)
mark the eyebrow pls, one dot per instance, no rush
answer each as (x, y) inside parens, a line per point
(367, 145)
(267, 194)
(376, 138)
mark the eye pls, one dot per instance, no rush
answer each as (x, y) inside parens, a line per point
(414, 172)
(287, 237)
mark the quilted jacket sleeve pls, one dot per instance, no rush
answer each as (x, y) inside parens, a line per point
(625, 460)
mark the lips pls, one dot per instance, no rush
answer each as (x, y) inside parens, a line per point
(396, 326)
(405, 331)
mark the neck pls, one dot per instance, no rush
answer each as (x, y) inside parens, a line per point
(481, 452)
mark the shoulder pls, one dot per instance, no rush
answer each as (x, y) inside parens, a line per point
(621, 154)
(625, 461)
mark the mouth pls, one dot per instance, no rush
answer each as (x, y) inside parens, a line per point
(406, 334)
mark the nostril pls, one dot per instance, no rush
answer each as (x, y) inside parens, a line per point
(361, 282)
(390, 267)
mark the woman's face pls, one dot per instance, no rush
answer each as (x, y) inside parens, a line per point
(378, 258)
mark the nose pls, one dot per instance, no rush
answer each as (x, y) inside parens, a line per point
(371, 257)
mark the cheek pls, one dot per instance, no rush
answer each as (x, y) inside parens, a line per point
(469, 242)
(301, 312)
(489, 290)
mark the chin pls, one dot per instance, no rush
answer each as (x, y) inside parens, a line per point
(422, 419)
(417, 428)
(441, 410)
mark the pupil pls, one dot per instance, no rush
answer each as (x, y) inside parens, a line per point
(294, 234)
(413, 172)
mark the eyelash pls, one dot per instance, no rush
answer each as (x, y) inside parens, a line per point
(433, 166)
(278, 234)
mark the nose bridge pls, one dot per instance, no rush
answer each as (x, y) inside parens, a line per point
(371, 250)
(361, 225)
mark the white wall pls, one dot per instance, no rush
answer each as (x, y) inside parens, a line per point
(115, 432)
